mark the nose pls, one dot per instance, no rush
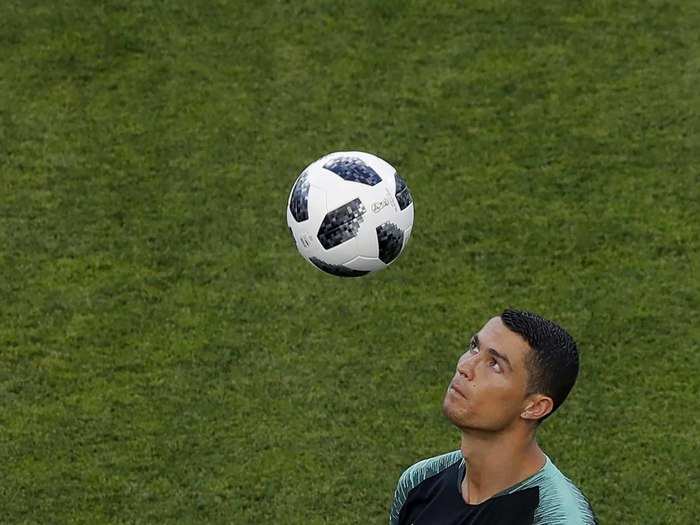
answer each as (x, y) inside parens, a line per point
(465, 366)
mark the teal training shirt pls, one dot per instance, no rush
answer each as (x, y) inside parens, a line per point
(429, 493)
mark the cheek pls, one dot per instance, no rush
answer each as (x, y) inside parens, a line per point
(502, 391)
(513, 398)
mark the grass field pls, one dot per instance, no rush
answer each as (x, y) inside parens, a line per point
(166, 356)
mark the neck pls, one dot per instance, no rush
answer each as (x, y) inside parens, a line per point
(496, 461)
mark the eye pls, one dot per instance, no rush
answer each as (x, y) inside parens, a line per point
(495, 365)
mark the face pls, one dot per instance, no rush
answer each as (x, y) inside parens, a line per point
(488, 390)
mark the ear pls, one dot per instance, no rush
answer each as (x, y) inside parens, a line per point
(537, 406)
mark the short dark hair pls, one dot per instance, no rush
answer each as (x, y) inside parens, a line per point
(552, 365)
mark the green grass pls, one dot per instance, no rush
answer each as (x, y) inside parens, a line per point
(166, 356)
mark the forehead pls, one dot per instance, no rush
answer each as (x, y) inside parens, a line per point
(496, 335)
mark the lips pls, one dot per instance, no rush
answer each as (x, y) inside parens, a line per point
(457, 389)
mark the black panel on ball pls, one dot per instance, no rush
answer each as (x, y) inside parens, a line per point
(299, 203)
(354, 170)
(403, 196)
(341, 224)
(390, 239)
(337, 269)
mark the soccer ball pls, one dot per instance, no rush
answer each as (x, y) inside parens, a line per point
(350, 213)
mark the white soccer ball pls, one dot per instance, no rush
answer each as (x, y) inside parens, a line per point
(350, 213)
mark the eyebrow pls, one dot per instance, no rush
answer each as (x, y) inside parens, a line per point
(493, 352)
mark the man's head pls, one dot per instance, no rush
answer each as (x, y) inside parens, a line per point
(518, 368)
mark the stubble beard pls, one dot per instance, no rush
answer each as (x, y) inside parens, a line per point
(457, 417)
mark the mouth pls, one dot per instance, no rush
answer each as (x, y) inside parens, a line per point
(457, 390)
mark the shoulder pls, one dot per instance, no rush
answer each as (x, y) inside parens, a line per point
(416, 474)
(561, 501)
(426, 468)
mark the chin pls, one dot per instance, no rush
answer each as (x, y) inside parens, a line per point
(457, 415)
(466, 421)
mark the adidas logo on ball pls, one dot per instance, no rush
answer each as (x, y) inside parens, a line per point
(380, 205)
